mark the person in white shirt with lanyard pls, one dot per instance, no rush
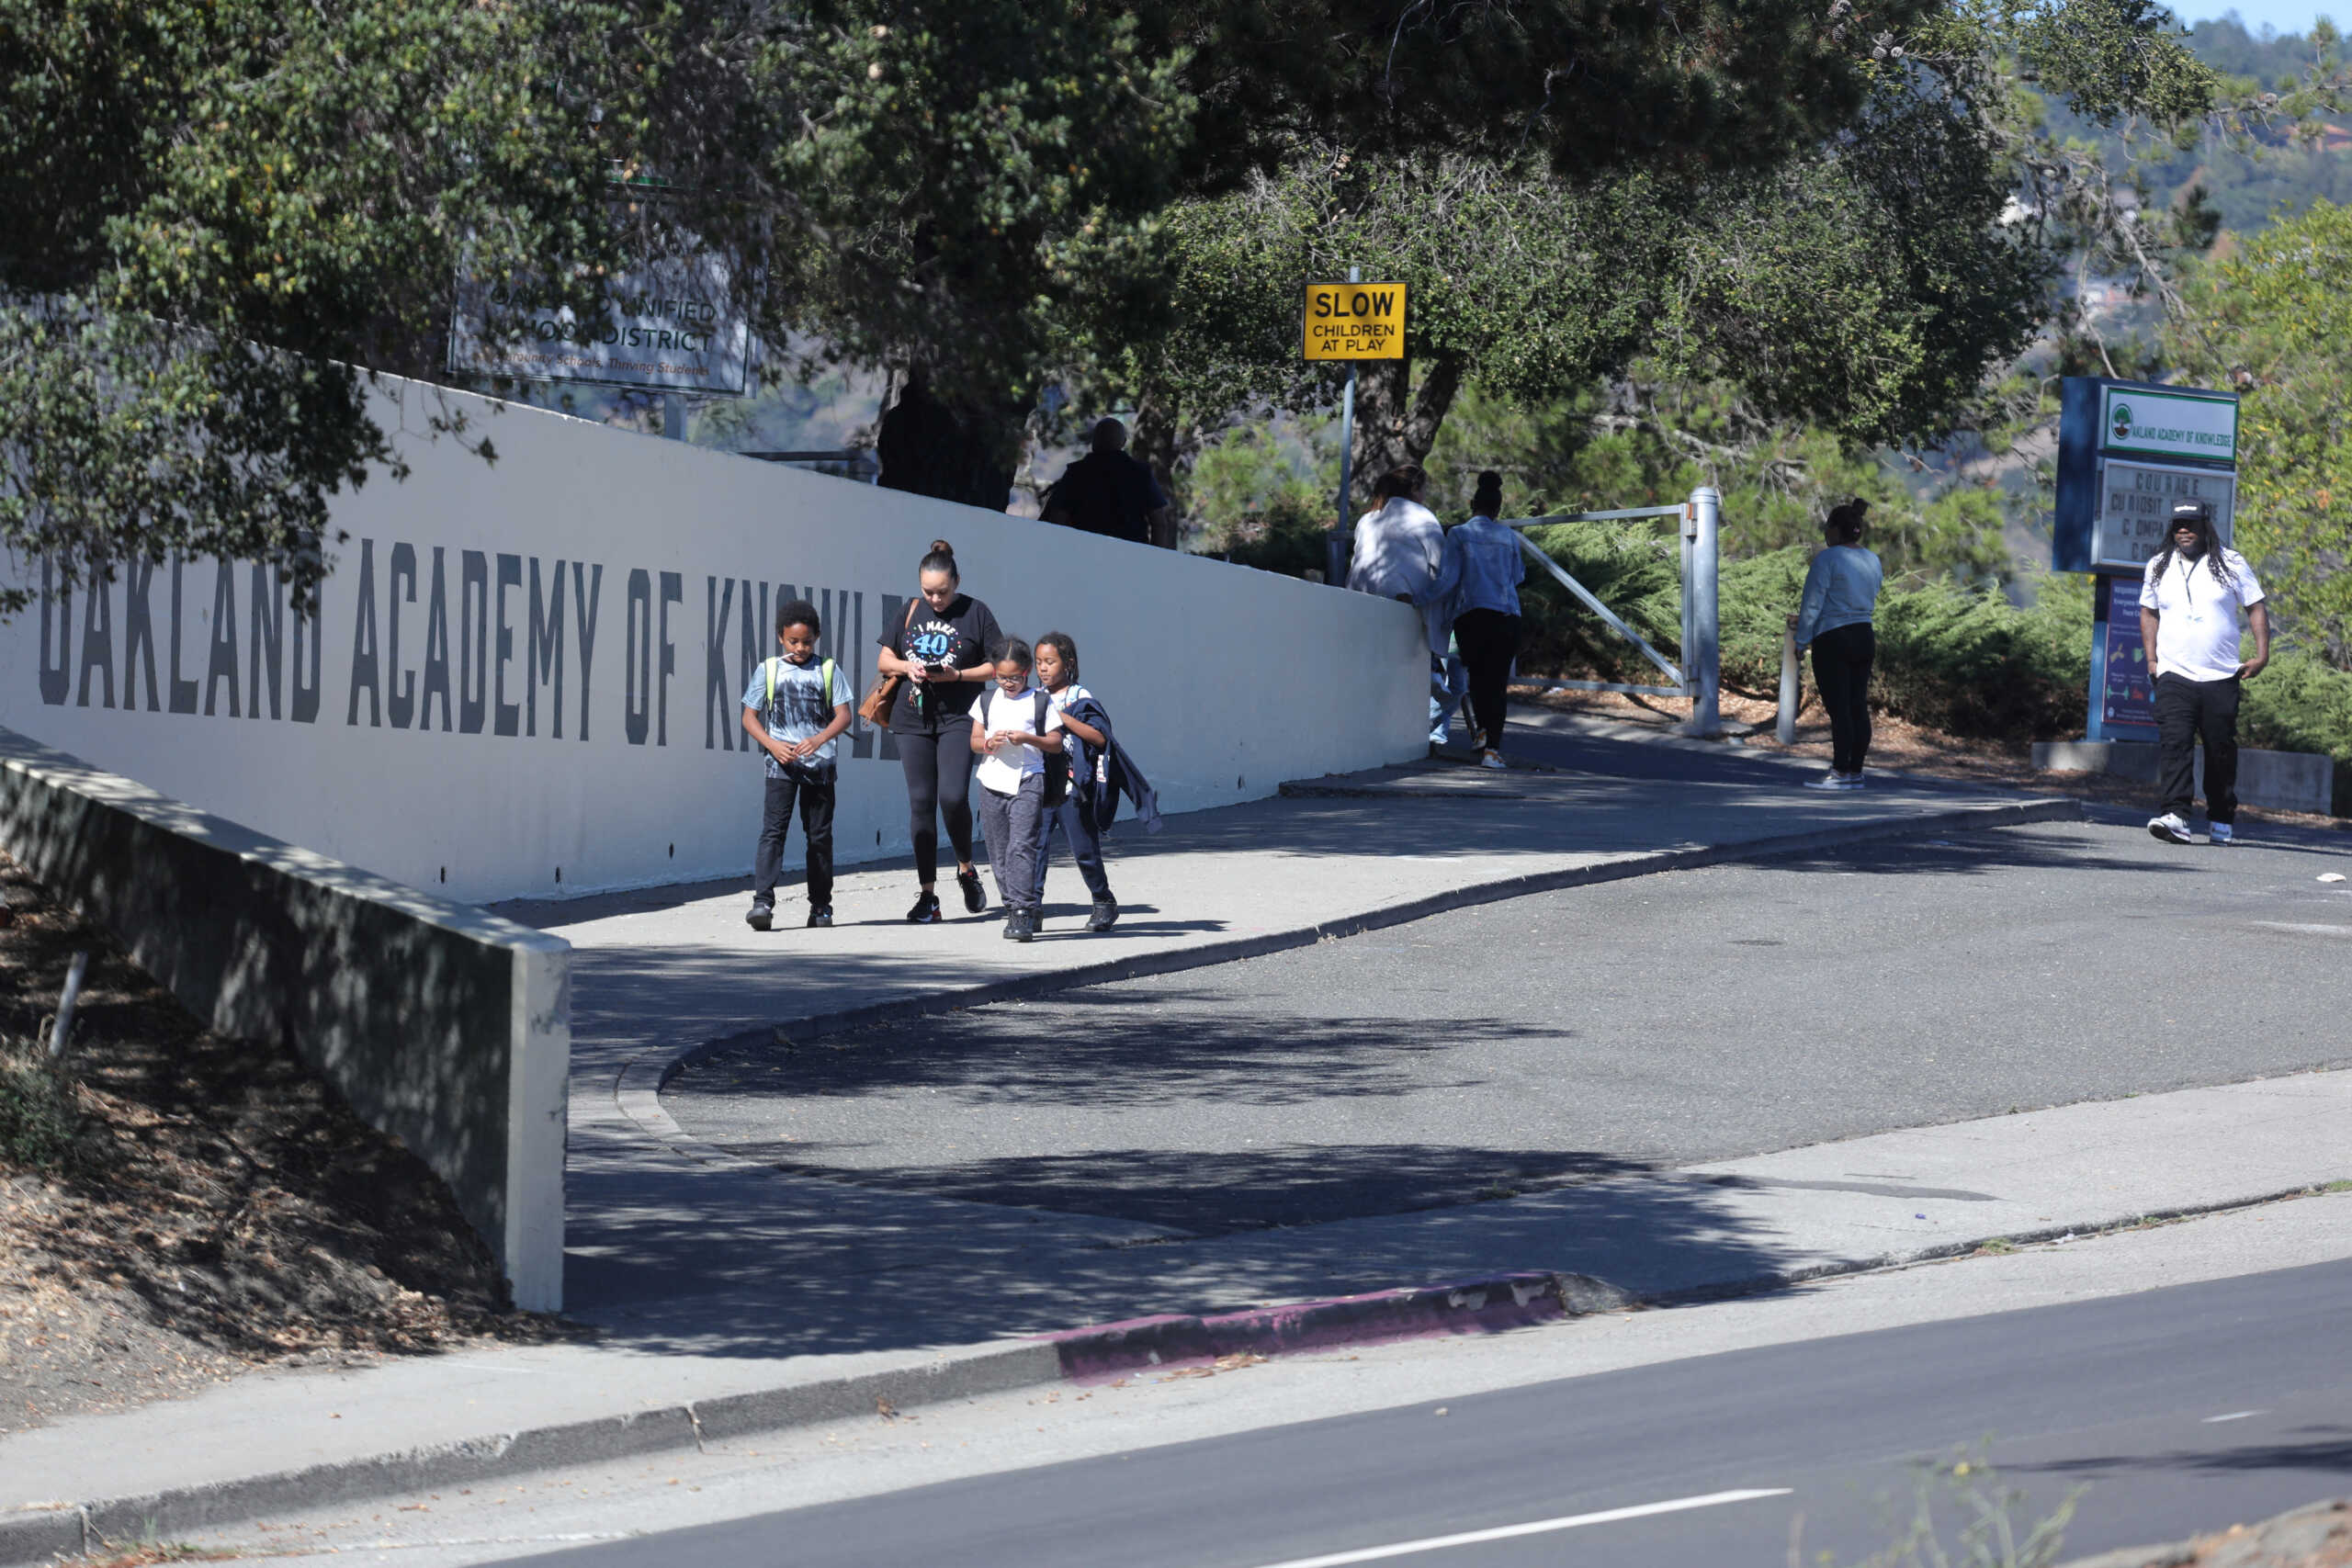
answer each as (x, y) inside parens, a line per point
(2189, 621)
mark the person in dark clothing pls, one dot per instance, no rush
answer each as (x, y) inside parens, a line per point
(945, 650)
(1057, 673)
(1108, 492)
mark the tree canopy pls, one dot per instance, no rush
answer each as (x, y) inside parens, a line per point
(234, 211)
(226, 211)
(2275, 323)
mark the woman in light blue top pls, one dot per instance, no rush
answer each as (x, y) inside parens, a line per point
(1840, 595)
(1478, 583)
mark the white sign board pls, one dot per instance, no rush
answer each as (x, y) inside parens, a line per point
(2135, 502)
(668, 327)
(525, 678)
(2169, 424)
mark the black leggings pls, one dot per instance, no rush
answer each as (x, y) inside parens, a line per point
(939, 786)
(1841, 671)
(1489, 641)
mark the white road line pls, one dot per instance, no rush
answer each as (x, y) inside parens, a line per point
(2232, 1416)
(1540, 1526)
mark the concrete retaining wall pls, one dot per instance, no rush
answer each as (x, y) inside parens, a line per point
(2284, 781)
(524, 676)
(443, 1025)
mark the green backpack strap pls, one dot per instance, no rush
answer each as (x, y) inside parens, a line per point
(767, 668)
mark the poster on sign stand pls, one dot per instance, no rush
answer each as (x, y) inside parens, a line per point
(2126, 687)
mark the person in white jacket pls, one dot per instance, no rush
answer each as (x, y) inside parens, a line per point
(1399, 548)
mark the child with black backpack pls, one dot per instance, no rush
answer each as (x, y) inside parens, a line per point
(795, 708)
(1086, 742)
(1016, 732)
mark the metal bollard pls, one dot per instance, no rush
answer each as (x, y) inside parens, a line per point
(1787, 730)
(64, 1027)
(1702, 652)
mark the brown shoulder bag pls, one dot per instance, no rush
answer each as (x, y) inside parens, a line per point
(875, 709)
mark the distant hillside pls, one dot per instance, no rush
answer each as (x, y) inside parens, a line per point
(2284, 178)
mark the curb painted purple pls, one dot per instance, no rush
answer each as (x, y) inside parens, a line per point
(1486, 1305)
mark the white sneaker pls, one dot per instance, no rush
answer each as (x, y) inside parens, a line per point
(2221, 833)
(2169, 827)
(1828, 781)
(1853, 781)
(1493, 759)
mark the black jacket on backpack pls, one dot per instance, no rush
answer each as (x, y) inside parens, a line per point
(1099, 801)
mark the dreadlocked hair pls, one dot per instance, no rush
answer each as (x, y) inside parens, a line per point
(2213, 553)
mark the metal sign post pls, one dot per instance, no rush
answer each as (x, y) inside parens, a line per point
(1350, 321)
(1335, 567)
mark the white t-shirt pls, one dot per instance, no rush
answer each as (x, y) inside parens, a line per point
(1003, 769)
(2197, 614)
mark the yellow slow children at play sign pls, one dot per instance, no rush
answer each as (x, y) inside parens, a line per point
(1355, 321)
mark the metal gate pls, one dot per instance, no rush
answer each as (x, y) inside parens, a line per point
(1699, 678)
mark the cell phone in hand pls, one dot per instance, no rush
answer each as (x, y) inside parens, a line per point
(939, 671)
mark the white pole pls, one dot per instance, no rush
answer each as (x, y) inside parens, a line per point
(1787, 728)
(1703, 660)
(64, 1028)
(1335, 567)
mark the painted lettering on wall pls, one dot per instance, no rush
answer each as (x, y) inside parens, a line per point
(274, 674)
(505, 652)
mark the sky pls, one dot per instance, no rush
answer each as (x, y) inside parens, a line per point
(2282, 16)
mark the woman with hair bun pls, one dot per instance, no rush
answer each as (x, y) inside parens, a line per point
(1477, 582)
(1840, 595)
(944, 649)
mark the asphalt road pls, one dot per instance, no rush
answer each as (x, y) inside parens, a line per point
(2174, 1411)
(1662, 1021)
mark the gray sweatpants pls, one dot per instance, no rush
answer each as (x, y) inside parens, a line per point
(1009, 822)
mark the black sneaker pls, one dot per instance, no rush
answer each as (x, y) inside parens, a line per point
(1011, 930)
(761, 917)
(974, 897)
(926, 910)
(1107, 914)
(1022, 925)
(822, 915)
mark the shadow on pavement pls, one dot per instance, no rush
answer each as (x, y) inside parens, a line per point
(1209, 1192)
(793, 1276)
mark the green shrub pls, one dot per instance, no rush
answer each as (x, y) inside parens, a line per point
(38, 1119)
(1958, 659)
(1286, 535)
(1969, 662)
(1633, 569)
(2300, 704)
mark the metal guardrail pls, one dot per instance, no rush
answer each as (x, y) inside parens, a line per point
(1699, 678)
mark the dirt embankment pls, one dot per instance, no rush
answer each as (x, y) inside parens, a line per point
(177, 1208)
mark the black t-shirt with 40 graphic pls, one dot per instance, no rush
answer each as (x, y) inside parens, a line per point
(964, 635)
